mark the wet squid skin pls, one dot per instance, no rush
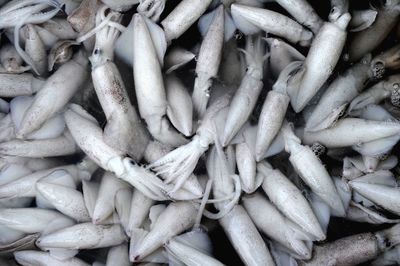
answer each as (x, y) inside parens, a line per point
(141, 160)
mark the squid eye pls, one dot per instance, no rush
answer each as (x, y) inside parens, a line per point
(151, 4)
(378, 65)
(238, 35)
(132, 162)
(97, 51)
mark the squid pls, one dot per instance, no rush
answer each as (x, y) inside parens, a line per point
(273, 113)
(251, 19)
(49, 101)
(27, 257)
(179, 164)
(83, 236)
(164, 228)
(67, 200)
(208, 62)
(303, 13)
(366, 41)
(18, 13)
(289, 200)
(320, 62)
(151, 8)
(11, 61)
(289, 234)
(245, 238)
(311, 170)
(182, 17)
(118, 255)
(389, 59)
(383, 195)
(34, 220)
(89, 137)
(389, 257)
(180, 106)
(352, 131)
(281, 55)
(245, 98)
(374, 95)
(124, 130)
(35, 49)
(190, 255)
(233, 218)
(60, 53)
(373, 151)
(106, 197)
(149, 85)
(358, 213)
(354, 249)
(341, 91)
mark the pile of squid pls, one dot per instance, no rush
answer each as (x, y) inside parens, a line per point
(133, 130)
